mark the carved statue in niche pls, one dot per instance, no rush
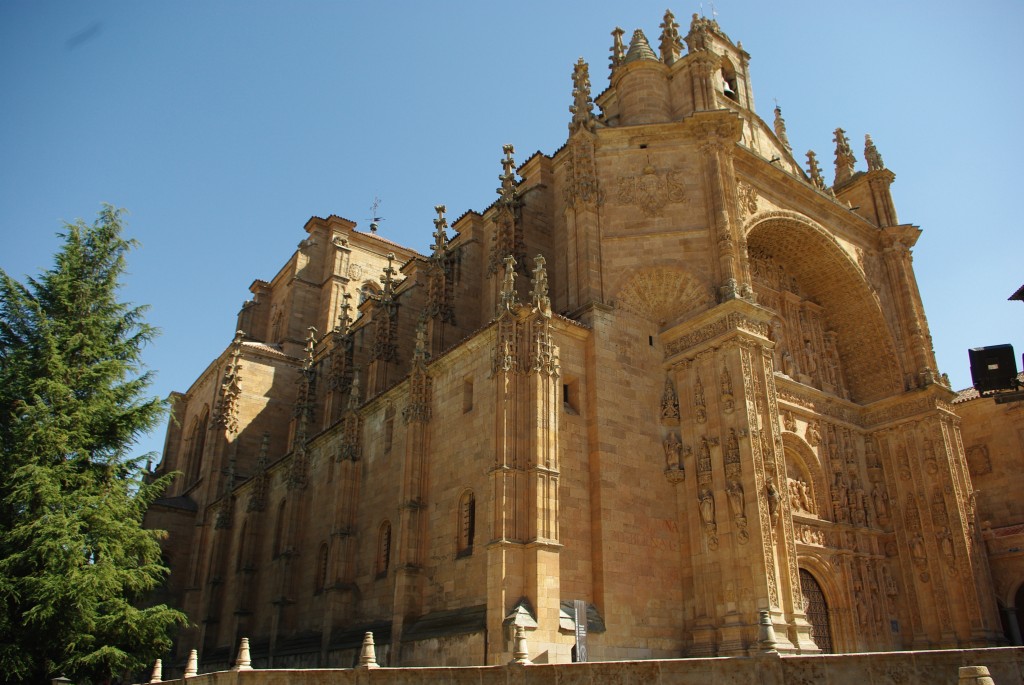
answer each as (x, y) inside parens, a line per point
(810, 359)
(725, 381)
(812, 434)
(945, 539)
(673, 451)
(890, 584)
(917, 548)
(840, 496)
(707, 508)
(787, 364)
(732, 451)
(778, 336)
(881, 507)
(788, 422)
(774, 498)
(735, 492)
(858, 502)
(669, 404)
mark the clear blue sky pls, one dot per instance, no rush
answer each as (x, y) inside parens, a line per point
(223, 126)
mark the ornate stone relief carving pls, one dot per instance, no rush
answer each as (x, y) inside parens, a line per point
(669, 404)
(747, 197)
(651, 191)
(699, 407)
(663, 294)
(978, 460)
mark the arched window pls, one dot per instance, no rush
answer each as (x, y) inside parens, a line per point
(816, 609)
(240, 557)
(368, 290)
(729, 81)
(321, 568)
(197, 445)
(384, 549)
(279, 530)
(466, 523)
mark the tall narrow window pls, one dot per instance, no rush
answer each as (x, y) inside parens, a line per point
(467, 395)
(321, 568)
(384, 549)
(389, 428)
(279, 530)
(467, 523)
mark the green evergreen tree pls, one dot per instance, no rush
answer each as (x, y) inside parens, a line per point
(75, 561)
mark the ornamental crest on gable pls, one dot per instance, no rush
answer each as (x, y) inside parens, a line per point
(652, 190)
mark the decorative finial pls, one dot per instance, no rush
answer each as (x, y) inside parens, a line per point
(243, 662)
(507, 191)
(310, 346)
(874, 159)
(508, 284)
(539, 293)
(582, 107)
(261, 461)
(814, 171)
(419, 353)
(388, 280)
(671, 44)
(353, 395)
(440, 245)
(780, 127)
(844, 157)
(617, 49)
(520, 652)
(158, 672)
(344, 316)
(368, 654)
(639, 48)
(192, 665)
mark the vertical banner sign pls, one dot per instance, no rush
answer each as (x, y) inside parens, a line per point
(581, 629)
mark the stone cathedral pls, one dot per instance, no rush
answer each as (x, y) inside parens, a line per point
(670, 372)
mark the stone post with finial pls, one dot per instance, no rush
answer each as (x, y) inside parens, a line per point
(368, 654)
(243, 662)
(192, 665)
(158, 672)
(975, 675)
(766, 633)
(520, 652)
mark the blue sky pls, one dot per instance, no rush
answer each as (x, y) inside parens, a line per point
(223, 126)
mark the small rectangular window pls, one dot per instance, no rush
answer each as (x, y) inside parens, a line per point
(571, 397)
(467, 395)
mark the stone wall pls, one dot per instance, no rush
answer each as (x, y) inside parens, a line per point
(1006, 666)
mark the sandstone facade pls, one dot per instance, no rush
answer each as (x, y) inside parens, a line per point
(668, 372)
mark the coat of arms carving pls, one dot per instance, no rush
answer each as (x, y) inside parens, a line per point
(652, 190)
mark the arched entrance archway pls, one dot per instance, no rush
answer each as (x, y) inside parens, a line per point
(816, 610)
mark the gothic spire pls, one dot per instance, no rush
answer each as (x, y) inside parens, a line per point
(419, 353)
(440, 245)
(226, 408)
(353, 397)
(617, 49)
(671, 44)
(814, 171)
(780, 128)
(388, 280)
(844, 157)
(508, 285)
(507, 191)
(344, 316)
(639, 48)
(539, 293)
(871, 155)
(258, 498)
(582, 107)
